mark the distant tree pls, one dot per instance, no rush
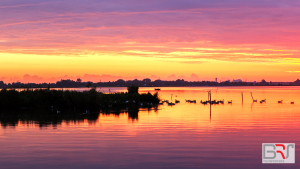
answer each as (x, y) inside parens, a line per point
(147, 80)
(48, 86)
(120, 82)
(133, 89)
(263, 82)
(297, 82)
(79, 80)
(89, 84)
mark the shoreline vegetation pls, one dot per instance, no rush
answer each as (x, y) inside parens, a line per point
(73, 101)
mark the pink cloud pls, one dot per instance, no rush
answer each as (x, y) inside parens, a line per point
(176, 30)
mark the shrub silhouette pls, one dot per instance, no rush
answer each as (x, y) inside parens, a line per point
(133, 89)
(59, 99)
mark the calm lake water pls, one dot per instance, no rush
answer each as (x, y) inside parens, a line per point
(186, 135)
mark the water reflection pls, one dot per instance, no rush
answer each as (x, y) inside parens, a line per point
(186, 135)
(53, 120)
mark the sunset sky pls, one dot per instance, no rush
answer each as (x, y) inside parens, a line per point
(49, 40)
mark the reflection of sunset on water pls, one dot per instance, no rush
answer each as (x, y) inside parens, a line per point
(196, 116)
(185, 130)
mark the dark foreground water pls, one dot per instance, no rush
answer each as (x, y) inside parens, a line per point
(186, 135)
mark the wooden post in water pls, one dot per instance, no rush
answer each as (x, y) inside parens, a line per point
(210, 104)
(242, 98)
(207, 95)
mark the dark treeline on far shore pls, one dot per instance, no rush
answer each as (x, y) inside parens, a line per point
(143, 83)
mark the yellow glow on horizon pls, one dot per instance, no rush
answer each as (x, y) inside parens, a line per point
(132, 63)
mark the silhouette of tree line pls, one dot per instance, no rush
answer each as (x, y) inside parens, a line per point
(141, 83)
